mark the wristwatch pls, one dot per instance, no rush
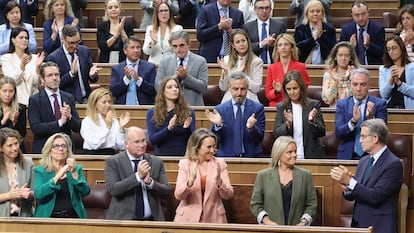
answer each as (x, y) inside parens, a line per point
(353, 123)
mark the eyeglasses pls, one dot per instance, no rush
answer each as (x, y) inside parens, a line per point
(389, 49)
(261, 8)
(59, 146)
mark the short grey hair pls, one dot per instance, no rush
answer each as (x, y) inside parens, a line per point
(361, 70)
(377, 127)
(237, 75)
(180, 34)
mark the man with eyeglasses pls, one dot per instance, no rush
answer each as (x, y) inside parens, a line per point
(264, 30)
(136, 181)
(376, 185)
(51, 110)
(352, 111)
(366, 36)
(190, 69)
(75, 64)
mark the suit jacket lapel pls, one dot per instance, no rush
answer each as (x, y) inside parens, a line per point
(278, 191)
(44, 99)
(296, 187)
(126, 164)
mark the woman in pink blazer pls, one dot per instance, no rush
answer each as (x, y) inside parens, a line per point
(202, 181)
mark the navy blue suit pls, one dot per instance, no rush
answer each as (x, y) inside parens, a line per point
(275, 27)
(343, 115)
(145, 93)
(68, 83)
(376, 199)
(48, 44)
(376, 32)
(251, 139)
(42, 119)
(188, 12)
(208, 33)
(306, 43)
(27, 10)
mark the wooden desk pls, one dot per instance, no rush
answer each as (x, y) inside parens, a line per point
(42, 225)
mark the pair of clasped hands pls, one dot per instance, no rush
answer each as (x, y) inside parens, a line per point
(68, 167)
(143, 171)
(194, 172)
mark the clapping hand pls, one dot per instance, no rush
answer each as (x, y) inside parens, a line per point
(124, 119)
(193, 175)
(187, 122)
(277, 86)
(171, 123)
(370, 110)
(75, 22)
(251, 121)
(218, 177)
(312, 115)
(214, 117)
(288, 117)
(108, 119)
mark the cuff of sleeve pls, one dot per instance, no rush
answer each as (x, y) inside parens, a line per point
(308, 218)
(126, 80)
(139, 82)
(260, 216)
(352, 183)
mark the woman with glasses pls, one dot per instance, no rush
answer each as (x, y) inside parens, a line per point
(405, 28)
(202, 181)
(241, 58)
(16, 177)
(157, 35)
(396, 76)
(101, 131)
(59, 184)
(21, 65)
(112, 33)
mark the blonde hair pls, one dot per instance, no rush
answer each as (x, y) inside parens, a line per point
(279, 146)
(48, 9)
(93, 99)
(105, 17)
(310, 4)
(196, 140)
(46, 160)
(14, 105)
(291, 40)
(156, 21)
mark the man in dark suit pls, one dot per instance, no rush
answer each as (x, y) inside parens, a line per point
(366, 36)
(51, 110)
(352, 111)
(377, 182)
(189, 11)
(262, 42)
(239, 122)
(136, 180)
(30, 8)
(214, 25)
(133, 71)
(75, 65)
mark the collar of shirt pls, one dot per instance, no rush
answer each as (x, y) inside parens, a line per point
(133, 158)
(364, 101)
(220, 8)
(378, 154)
(365, 27)
(50, 93)
(128, 62)
(185, 61)
(259, 23)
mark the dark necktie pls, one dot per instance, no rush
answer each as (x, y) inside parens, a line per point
(238, 131)
(139, 204)
(368, 169)
(181, 61)
(226, 42)
(358, 147)
(361, 47)
(56, 106)
(263, 54)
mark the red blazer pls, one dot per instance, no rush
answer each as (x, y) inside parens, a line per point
(191, 207)
(275, 72)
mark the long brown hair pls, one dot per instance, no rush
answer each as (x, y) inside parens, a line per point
(388, 62)
(14, 105)
(233, 56)
(294, 75)
(181, 109)
(156, 21)
(6, 133)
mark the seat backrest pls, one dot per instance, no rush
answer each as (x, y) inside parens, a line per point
(330, 143)
(97, 203)
(402, 146)
(261, 95)
(389, 19)
(267, 143)
(315, 92)
(212, 95)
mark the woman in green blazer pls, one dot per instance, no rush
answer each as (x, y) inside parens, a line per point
(59, 184)
(283, 193)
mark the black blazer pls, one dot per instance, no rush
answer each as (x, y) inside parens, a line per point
(67, 83)
(306, 43)
(42, 120)
(188, 13)
(102, 35)
(275, 27)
